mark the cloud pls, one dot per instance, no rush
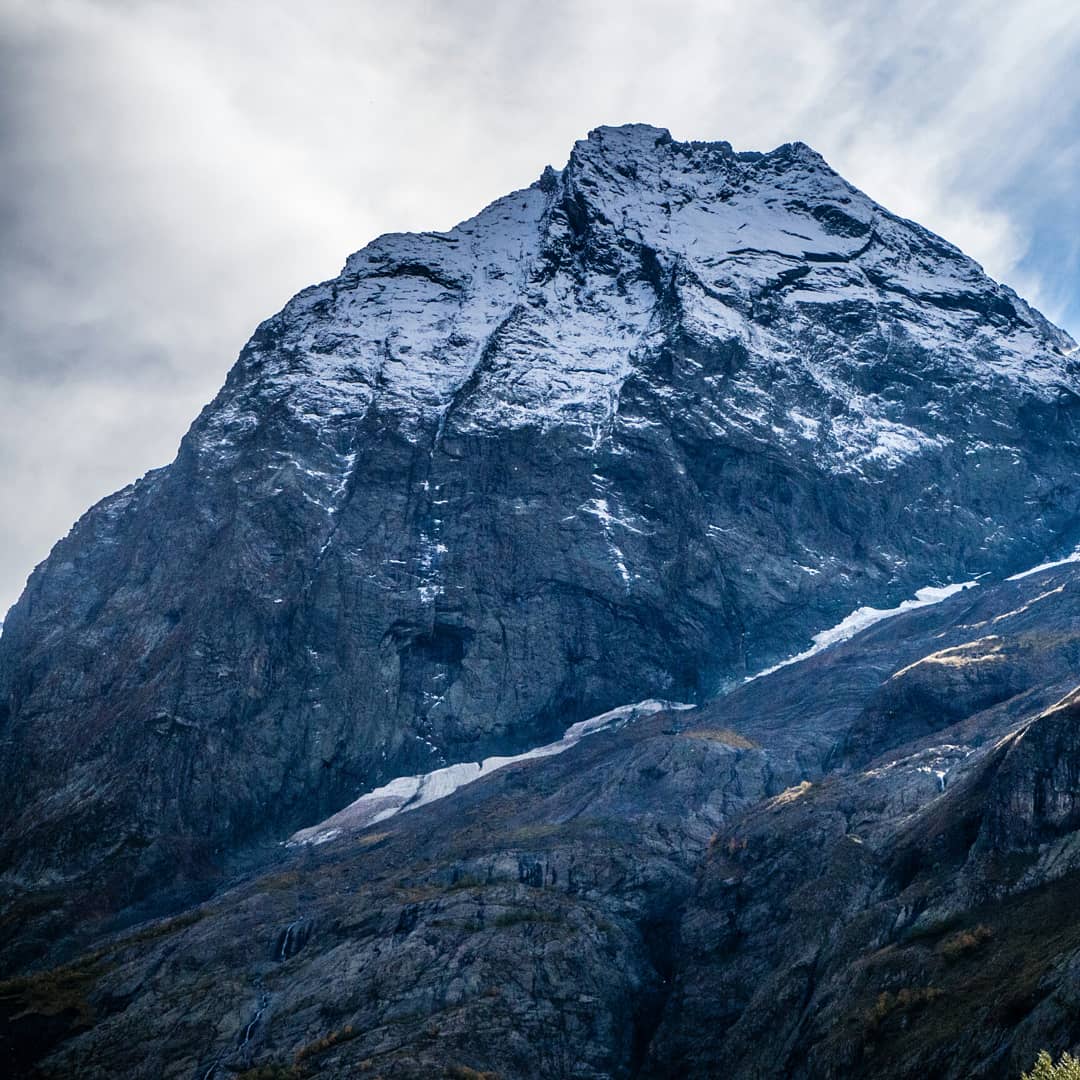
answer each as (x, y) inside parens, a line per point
(173, 171)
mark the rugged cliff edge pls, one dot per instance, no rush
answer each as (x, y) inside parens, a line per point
(636, 431)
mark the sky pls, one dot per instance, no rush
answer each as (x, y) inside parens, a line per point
(172, 171)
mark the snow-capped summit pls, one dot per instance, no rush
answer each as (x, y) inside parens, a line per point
(536, 312)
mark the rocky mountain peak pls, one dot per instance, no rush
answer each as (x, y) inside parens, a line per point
(539, 304)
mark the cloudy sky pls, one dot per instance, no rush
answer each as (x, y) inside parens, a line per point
(171, 171)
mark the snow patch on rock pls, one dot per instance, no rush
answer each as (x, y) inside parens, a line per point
(409, 792)
(865, 617)
(1074, 557)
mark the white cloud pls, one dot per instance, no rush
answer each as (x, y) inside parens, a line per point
(175, 170)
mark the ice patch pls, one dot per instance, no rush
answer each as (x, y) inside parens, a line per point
(408, 792)
(863, 617)
(1074, 557)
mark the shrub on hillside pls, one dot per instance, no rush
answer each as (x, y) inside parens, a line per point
(965, 942)
(1067, 1068)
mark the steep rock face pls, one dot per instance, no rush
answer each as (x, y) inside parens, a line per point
(886, 942)
(634, 431)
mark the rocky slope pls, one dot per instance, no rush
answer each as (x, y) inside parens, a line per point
(637, 431)
(780, 883)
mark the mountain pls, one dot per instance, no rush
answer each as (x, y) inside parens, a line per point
(639, 431)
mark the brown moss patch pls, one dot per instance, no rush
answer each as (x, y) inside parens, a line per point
(723, 736)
